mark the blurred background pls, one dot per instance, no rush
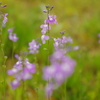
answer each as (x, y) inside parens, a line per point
(81, 20)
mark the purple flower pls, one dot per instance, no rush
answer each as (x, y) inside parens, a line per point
(10, 30)
(57, 43)
(12, 71)
(45, 11)
(34, 46)
(51, 19)
(5, 19)
(4, 5)
(45, 28)
(13, 37)
(22, 70)
(15, 83)
(60, 69)
(44, 38)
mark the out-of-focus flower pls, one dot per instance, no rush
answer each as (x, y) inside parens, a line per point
(34, 46)
(60, 69)
(13, 37)
(15, 83)
(59, 43)
(44, 38)
(45, 27)
(45, 11)
(10, 30)
(4, 5)
(5, 19)
(22, 70)
(76, 48)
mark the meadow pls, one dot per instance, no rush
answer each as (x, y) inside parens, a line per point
(77, 19)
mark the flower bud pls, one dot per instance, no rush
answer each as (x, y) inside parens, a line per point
(45, 11)
(4, 5)
(51, 7)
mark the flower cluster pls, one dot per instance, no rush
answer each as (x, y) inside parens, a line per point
(60, 42)
(12, 36)
(61, 68)
(22, 70)
(5, 19)
(34, 46)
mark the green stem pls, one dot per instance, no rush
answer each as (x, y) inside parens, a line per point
(23, 90)
(3, 63)
(48, 63)
(65, 90)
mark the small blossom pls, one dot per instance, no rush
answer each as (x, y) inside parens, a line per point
(45, 11)
(44, 38)
(15, 83)
(45, 28)
(34, 46)
(22, 70)
(4, 5)
(60, 69)
(51, 19)
(5, 19)
(13, 37)
(10, 30)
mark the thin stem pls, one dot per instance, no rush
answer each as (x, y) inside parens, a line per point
(37, 69)
(48, 63)
(23, 90)
(65, 90)
(3, 63)
(48, 40)
(12, 52)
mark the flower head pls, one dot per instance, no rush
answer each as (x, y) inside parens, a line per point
(12, 36)
(45, 28)
(5, 19)
(22, 70)
(51, 19)
(44, 38)
(60, 69)
(34, 46)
